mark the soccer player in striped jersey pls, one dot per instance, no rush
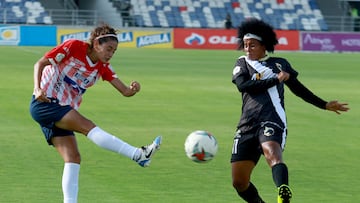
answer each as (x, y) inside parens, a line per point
(262, 128)
(61, 77)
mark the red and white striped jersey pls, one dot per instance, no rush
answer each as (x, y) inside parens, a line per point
(71, 72)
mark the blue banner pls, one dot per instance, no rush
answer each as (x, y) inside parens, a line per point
(9, 35)
(28, 35)
(38, 35)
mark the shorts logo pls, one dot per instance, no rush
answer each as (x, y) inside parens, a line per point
(268, 131)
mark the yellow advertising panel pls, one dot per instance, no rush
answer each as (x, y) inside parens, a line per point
(127, 38)
(65, 34)
(146, 39)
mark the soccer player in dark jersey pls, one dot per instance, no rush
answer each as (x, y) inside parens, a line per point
(262, 128)
(61, 77)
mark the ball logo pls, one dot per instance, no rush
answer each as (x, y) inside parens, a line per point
(195, 39)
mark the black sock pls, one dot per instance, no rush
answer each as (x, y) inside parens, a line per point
(280, 174)
(251, 195)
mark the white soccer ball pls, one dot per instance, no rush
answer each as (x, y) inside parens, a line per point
(201, 146)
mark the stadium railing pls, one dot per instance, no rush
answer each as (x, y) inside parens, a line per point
(52, 16)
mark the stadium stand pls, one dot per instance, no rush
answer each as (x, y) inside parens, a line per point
(282, 14)
(23, 12)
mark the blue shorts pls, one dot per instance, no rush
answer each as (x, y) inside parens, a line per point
(47, 114)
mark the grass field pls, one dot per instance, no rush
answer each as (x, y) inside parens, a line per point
(182, 91)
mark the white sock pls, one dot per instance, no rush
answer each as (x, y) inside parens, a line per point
(70, 182)
(112, 143)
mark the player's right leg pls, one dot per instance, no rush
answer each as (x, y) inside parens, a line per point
(74, 121)
(244, 156)
(241, 171)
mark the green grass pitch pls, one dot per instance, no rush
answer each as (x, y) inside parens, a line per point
(182, 91)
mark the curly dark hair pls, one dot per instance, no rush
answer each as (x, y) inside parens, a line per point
(259, 28)
(102, 29)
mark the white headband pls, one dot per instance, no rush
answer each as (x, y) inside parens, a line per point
(107, 35)
(252, 36)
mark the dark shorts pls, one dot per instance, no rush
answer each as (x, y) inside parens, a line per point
(247, 146)
(47, 114)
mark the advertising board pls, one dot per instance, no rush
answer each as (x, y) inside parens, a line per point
(226, 39)
(133, 39)
(27, 35)
(328, 41)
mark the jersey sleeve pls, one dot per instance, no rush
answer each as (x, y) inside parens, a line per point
(108, 73)
(287, 68)
(242, 79)
(60, 52)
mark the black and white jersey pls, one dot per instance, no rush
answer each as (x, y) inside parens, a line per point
(263, 94)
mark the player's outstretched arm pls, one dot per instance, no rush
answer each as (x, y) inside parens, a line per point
(125, 90)
(337, 107)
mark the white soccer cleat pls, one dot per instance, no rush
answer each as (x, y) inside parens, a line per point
(148, 151)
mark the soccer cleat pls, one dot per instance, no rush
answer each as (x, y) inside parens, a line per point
(148, 151)
(284, 194)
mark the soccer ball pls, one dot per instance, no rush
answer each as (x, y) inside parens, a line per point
(200, 146)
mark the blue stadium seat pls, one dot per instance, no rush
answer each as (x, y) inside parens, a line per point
(200, 13)
(23, 11)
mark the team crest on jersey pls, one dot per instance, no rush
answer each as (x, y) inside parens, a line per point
(268, 131)
(59, 57)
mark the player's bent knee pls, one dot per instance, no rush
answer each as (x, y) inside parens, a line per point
(73, 158)
(240, 185)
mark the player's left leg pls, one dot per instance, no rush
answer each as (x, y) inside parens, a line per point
(241, 172)
(273, 155)
(67, 148)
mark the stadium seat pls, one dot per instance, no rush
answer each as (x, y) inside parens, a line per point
(282, 14)
(23, 12)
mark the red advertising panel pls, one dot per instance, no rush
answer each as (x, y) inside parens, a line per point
(205, 39)
(288, 40)
(226, 39)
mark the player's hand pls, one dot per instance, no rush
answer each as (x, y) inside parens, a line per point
(40, 95)
(336, 106)
(134, 86)
(283, 76)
